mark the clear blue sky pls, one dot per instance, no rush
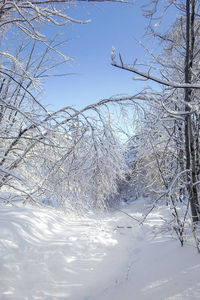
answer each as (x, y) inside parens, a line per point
(112, 24)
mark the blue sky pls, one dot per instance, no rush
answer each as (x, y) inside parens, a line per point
(112, 24)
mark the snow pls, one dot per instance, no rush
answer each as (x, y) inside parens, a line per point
(49, 255)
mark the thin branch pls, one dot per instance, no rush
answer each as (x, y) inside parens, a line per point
(154, 78)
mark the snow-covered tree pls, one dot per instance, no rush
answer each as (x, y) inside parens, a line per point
(65, 156)
(170, 127)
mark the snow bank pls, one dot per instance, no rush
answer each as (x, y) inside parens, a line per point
(43, 255)
(46, 255)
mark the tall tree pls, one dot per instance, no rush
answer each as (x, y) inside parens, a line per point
(179, 80)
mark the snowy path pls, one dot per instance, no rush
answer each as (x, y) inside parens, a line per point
(44, 255)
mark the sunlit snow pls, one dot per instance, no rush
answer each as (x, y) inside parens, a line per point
(49, 255)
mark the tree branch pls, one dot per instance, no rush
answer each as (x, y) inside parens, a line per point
(148, 76)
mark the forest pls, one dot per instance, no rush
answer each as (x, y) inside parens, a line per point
(113, 186)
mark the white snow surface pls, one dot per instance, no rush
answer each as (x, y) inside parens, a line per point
(47, 255)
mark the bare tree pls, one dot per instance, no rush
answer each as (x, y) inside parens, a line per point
(184, 65)
(45, 154)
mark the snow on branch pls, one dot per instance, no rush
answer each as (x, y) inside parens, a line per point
(148, 76)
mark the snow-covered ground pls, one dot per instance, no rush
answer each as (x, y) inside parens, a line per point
(46, 255)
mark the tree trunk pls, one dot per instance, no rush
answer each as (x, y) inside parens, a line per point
(189, 136)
